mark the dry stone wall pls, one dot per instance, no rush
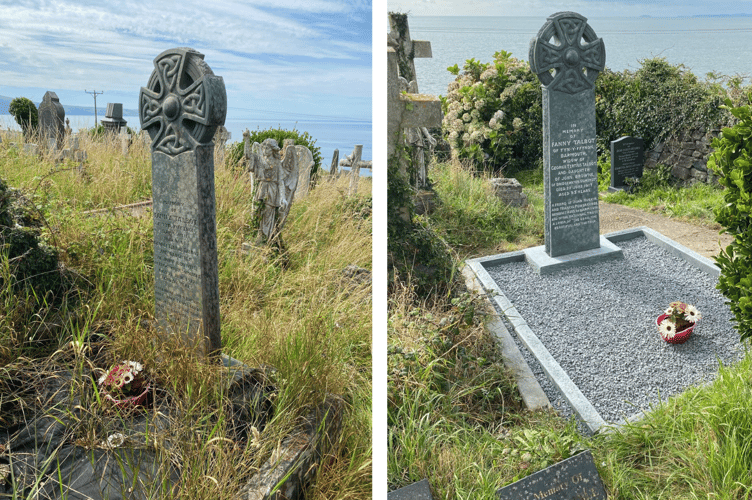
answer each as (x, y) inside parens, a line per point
(687, 155)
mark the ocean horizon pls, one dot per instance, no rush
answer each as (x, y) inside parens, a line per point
(701, 44)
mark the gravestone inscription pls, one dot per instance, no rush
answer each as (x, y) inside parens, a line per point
(567, 57)
(181, 107)
(627, 160)
(575, 478)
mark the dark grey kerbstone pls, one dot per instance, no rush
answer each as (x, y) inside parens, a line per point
(570, 172)
(52, 119)
(181, 108)
(627, 159)
(574, 478)
(416, 491)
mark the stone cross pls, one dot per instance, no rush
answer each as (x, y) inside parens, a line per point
(355, 169)
(406, 111)
(567, 57)
(180, 108)
(52, 120)
(407, 50)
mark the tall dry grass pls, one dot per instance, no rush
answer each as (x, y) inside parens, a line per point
(297, 312)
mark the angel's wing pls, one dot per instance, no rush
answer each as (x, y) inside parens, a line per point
(289, 179)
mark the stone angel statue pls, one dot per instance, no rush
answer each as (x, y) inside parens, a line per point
(275, 179)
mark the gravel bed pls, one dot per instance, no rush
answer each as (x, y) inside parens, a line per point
(598, 322)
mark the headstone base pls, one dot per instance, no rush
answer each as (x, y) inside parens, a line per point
(416, 491)
(543, 263)
(616, 189)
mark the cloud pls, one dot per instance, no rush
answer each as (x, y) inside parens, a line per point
(260, 47)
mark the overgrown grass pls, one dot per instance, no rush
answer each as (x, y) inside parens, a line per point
(474, 221)
(297, 313)
(454, 414)
(444, 424)
(659, 193)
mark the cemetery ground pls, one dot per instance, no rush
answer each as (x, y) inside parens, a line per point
(297, 312)
(455, 415)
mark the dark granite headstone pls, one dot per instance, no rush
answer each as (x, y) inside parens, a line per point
(627, 160)
(567, 57)
(575, 478)
(416, 491)
(52, 120)
(180, 108)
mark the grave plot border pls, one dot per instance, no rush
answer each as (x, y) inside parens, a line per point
(569, 390)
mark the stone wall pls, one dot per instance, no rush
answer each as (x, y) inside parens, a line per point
(687, 156)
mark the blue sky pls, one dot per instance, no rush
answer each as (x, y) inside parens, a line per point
(280, 59)
(588, 8)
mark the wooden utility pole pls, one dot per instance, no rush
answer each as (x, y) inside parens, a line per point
(94, 92)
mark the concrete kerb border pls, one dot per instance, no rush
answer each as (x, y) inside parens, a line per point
(579, 403)
(530, 390)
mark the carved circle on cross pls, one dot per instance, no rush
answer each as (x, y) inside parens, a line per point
(566, 54)
(183, 103)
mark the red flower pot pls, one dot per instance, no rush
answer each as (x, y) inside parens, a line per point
(681, 336)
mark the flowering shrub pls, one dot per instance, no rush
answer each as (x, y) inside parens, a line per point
(492, 114)
(680, 316)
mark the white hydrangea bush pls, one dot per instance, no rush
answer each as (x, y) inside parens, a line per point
(489, 113)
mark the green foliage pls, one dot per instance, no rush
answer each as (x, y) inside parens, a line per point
(415, 252)
(732, 161)
(655, 102)
(471, 218)
(25, 113)
(492, 114)
(279, 134)
(32, 264)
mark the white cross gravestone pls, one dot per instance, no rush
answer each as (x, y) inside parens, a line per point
(180, 108)
(567, 57)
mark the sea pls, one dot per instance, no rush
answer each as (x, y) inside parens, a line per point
(722, 45)
(328, 134)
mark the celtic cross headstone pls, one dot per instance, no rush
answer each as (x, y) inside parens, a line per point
(181, 107)
(567, 56)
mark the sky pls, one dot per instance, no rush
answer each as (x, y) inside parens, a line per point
(588, 8)
(280, 59)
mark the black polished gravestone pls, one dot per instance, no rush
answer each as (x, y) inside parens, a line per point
(416, 491)
(567, 57)
(180, 108)
(627, 161)
(575, 478)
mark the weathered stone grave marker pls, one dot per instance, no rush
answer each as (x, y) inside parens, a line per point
(567, 57)
(407, 50)
(113, 118)
(181, 107)
(355, 169)
(575, 478)
(335, 163)
(305, 164)
(222, 135)
(405, 110)
(627, 160)
(51, 121)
